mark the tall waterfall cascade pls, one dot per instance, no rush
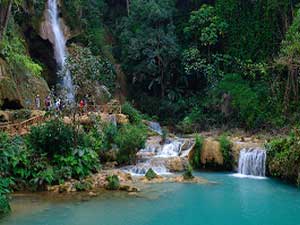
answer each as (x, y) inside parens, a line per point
(252, 162)
(60, 50)
(157, 156)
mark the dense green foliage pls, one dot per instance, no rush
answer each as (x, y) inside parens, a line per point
(196, 157)
(4, 191)
(51, 138)
(130, 139)
(180, 58)
(148, 40)
(50, 155)
(226, 146)
(89, 71)
(134, 115)
(283, 156)
(13, 49)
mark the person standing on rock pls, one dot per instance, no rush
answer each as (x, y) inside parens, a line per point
(37, 102)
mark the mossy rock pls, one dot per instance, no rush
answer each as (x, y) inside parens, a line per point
(20, 88)
(150, 175)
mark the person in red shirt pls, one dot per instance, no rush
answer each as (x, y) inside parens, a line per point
(81, 105)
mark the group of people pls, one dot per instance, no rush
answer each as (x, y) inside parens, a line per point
(49, 103)
(57, 104)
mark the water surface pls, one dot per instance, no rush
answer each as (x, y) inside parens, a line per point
(233, 201)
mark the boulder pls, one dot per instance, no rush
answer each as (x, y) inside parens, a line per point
(67, 120)
(85, 120)
(176, 164)
(128, 188)
(122, 119)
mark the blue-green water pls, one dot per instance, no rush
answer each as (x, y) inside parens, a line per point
(233, 201)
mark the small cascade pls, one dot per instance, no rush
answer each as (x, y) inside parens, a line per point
(252, 162)
(155, 126)
(157, 156)
(59, 45)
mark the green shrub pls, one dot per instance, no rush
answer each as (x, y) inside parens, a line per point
(130, 139)
(113, 182)
(78, 164)
(283, 157)
(52, 137)
(83, 185)
(4, 191)
(42, 175)
(226, 146)
(13, 48)
(196, 157)
(14, 157)
(134, 115)
(150, 175)
(110, 131)
(188, 174)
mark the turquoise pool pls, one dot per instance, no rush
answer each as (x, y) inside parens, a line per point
(233, 201)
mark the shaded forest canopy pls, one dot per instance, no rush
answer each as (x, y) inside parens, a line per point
(197, 64)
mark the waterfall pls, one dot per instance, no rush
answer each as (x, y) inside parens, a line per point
(252, 162)
(154, 126)
(59, 45)
(157, 156)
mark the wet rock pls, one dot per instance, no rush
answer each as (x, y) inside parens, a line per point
(128, 188)
(92, 194)
(176, 164)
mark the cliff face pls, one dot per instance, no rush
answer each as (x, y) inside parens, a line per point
(19, 90)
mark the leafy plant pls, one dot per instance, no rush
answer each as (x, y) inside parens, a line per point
(283, 157)
(133, 114)
(4, 191)
(150, 175)
(226, 146)
(51, 138)
(196, 157)
(188, 174)
(113, 182)
(130, 139)
(78, 164)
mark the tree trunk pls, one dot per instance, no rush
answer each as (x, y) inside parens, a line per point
(5, 10)
(128, 6)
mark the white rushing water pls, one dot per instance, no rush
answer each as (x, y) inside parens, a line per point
(157, 156)
(60, 51)
(252, 163)
(154, 126)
